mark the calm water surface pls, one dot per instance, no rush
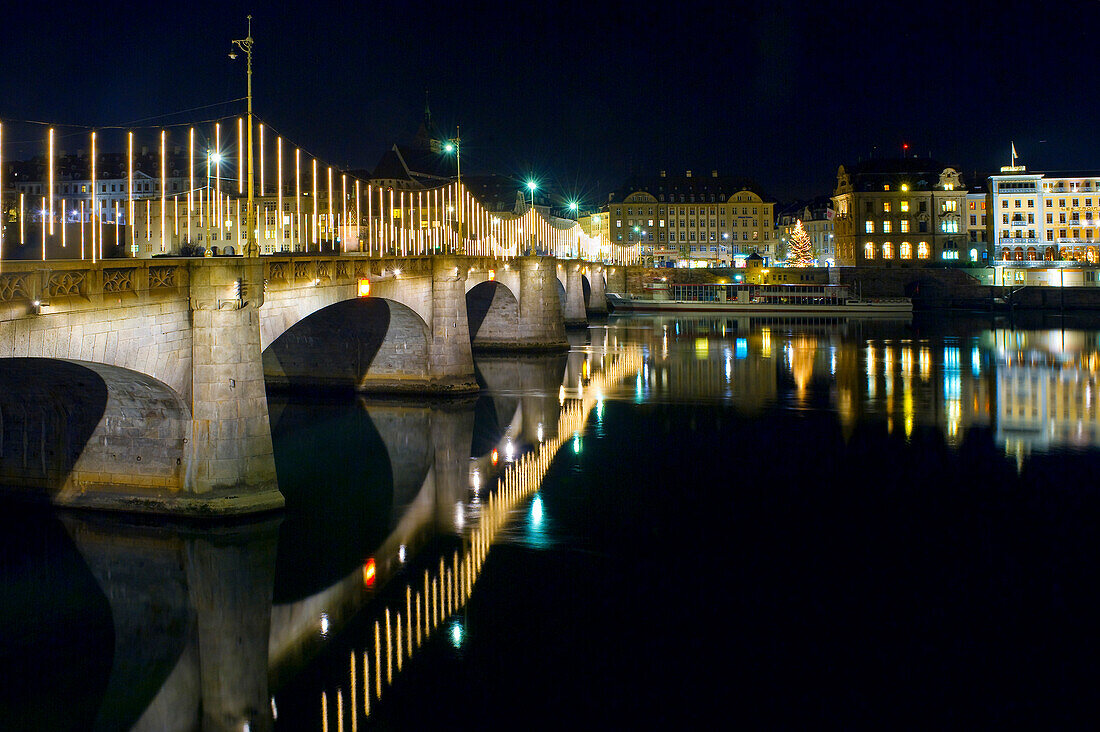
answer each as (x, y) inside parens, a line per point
(761, 522)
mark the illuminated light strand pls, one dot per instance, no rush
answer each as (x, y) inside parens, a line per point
(163, 188)
(51, 186)
(240, 156)
(451, 589)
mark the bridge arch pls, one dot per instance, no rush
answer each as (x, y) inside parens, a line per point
(492, 310)
(365, 344)
(82, 433)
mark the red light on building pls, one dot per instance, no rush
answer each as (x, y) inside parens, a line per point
(369, 572)
(495, 457)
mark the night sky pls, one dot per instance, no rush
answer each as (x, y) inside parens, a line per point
(582, 94)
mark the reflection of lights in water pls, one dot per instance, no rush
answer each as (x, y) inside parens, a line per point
(495, 456)
(509, 450)
(369, 572)
(577, 443)
(460, 516)
(274, 710)
(741, 348)
(599, 410)
(832, 361)
(729, 367)
(324, 625)
(976, 361)
(561, 395)
(475, 480)
(766, 342)
(536, 511)
(457, 634)
(401, 553)
(539, 431)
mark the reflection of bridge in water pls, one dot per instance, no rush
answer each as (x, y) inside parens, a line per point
(204, 622)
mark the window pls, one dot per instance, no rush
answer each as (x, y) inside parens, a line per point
(922, 226)
(950, 206)
(1016, 203)
(1031, 203)
(904, 224)
(1050, 218)
(868, 207)
(887, 250)
(868, 251)
(922, 250)
(973, 219)
(906, 250)
(886, 207)
(904, 207)
(1004, 203)
(885, 227)
(923, 206)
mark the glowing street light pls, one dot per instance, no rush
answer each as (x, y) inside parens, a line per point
(454, 146)
(245, 44)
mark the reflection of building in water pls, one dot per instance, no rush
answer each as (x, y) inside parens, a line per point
(1046, 390)
(721, 359)
(913, 383)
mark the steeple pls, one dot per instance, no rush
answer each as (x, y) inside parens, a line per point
(425, 135)
(427, 111)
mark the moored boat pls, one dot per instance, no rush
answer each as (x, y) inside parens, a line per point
(747, 298)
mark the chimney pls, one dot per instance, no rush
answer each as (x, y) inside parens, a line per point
(714, 174)
(687, 174)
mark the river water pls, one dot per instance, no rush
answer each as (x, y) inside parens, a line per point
(682, 522)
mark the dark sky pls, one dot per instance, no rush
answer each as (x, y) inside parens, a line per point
(581, 94)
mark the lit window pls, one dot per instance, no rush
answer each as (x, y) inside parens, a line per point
(905, 207)
(885, 227)
(906, 250)
(922, 250)
(904, 226)
(886, 207)
(869, 227)
(869, 251)
(887, 250)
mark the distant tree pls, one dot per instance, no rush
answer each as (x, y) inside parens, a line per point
(799, 250)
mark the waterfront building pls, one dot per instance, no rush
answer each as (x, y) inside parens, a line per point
(1044, 216)
(816, 216)
(692, 220)
(899, 212)
(976, 220)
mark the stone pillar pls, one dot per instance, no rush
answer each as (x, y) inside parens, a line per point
(540, 317)
(597, 299)
(575, 316)
(232, 466)
(450, 358)
(616, 279)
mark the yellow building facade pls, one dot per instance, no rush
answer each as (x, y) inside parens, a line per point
(903, 212)
(692, 221)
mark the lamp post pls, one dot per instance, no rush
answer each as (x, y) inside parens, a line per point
(532, 186)
(245, 44)
(455, 146)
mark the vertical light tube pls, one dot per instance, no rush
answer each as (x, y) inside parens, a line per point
(92, 222)
(63, 219)
(44, 212)
(81, 229)
(261, 158)
(315, 238)
(240, 155)
(130, 185)
(51, 182)
(370, 222)
(2, 195)
(331, 230)
(344, 206)
(279, 192)
(217, 175)
(358, 219)
(298, 191)
(163, 189)
(191, 173)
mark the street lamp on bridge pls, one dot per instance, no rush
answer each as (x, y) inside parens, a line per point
(455, 146)
(532, 186)
(251, 248)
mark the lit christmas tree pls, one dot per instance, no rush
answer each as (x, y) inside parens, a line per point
(799, 251)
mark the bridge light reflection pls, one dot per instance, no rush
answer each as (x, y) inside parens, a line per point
(457, 634)
(324, 625)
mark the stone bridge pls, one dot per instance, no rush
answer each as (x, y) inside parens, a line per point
(140, 385)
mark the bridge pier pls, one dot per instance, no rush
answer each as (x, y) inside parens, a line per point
(540, 316)
(597, 297)
(574, 312)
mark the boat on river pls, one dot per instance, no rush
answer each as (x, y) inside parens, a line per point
(823, 300)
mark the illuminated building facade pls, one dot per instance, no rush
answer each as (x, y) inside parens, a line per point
(692, 220)
(976, 220)
(899, 213)
(1044, 216)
